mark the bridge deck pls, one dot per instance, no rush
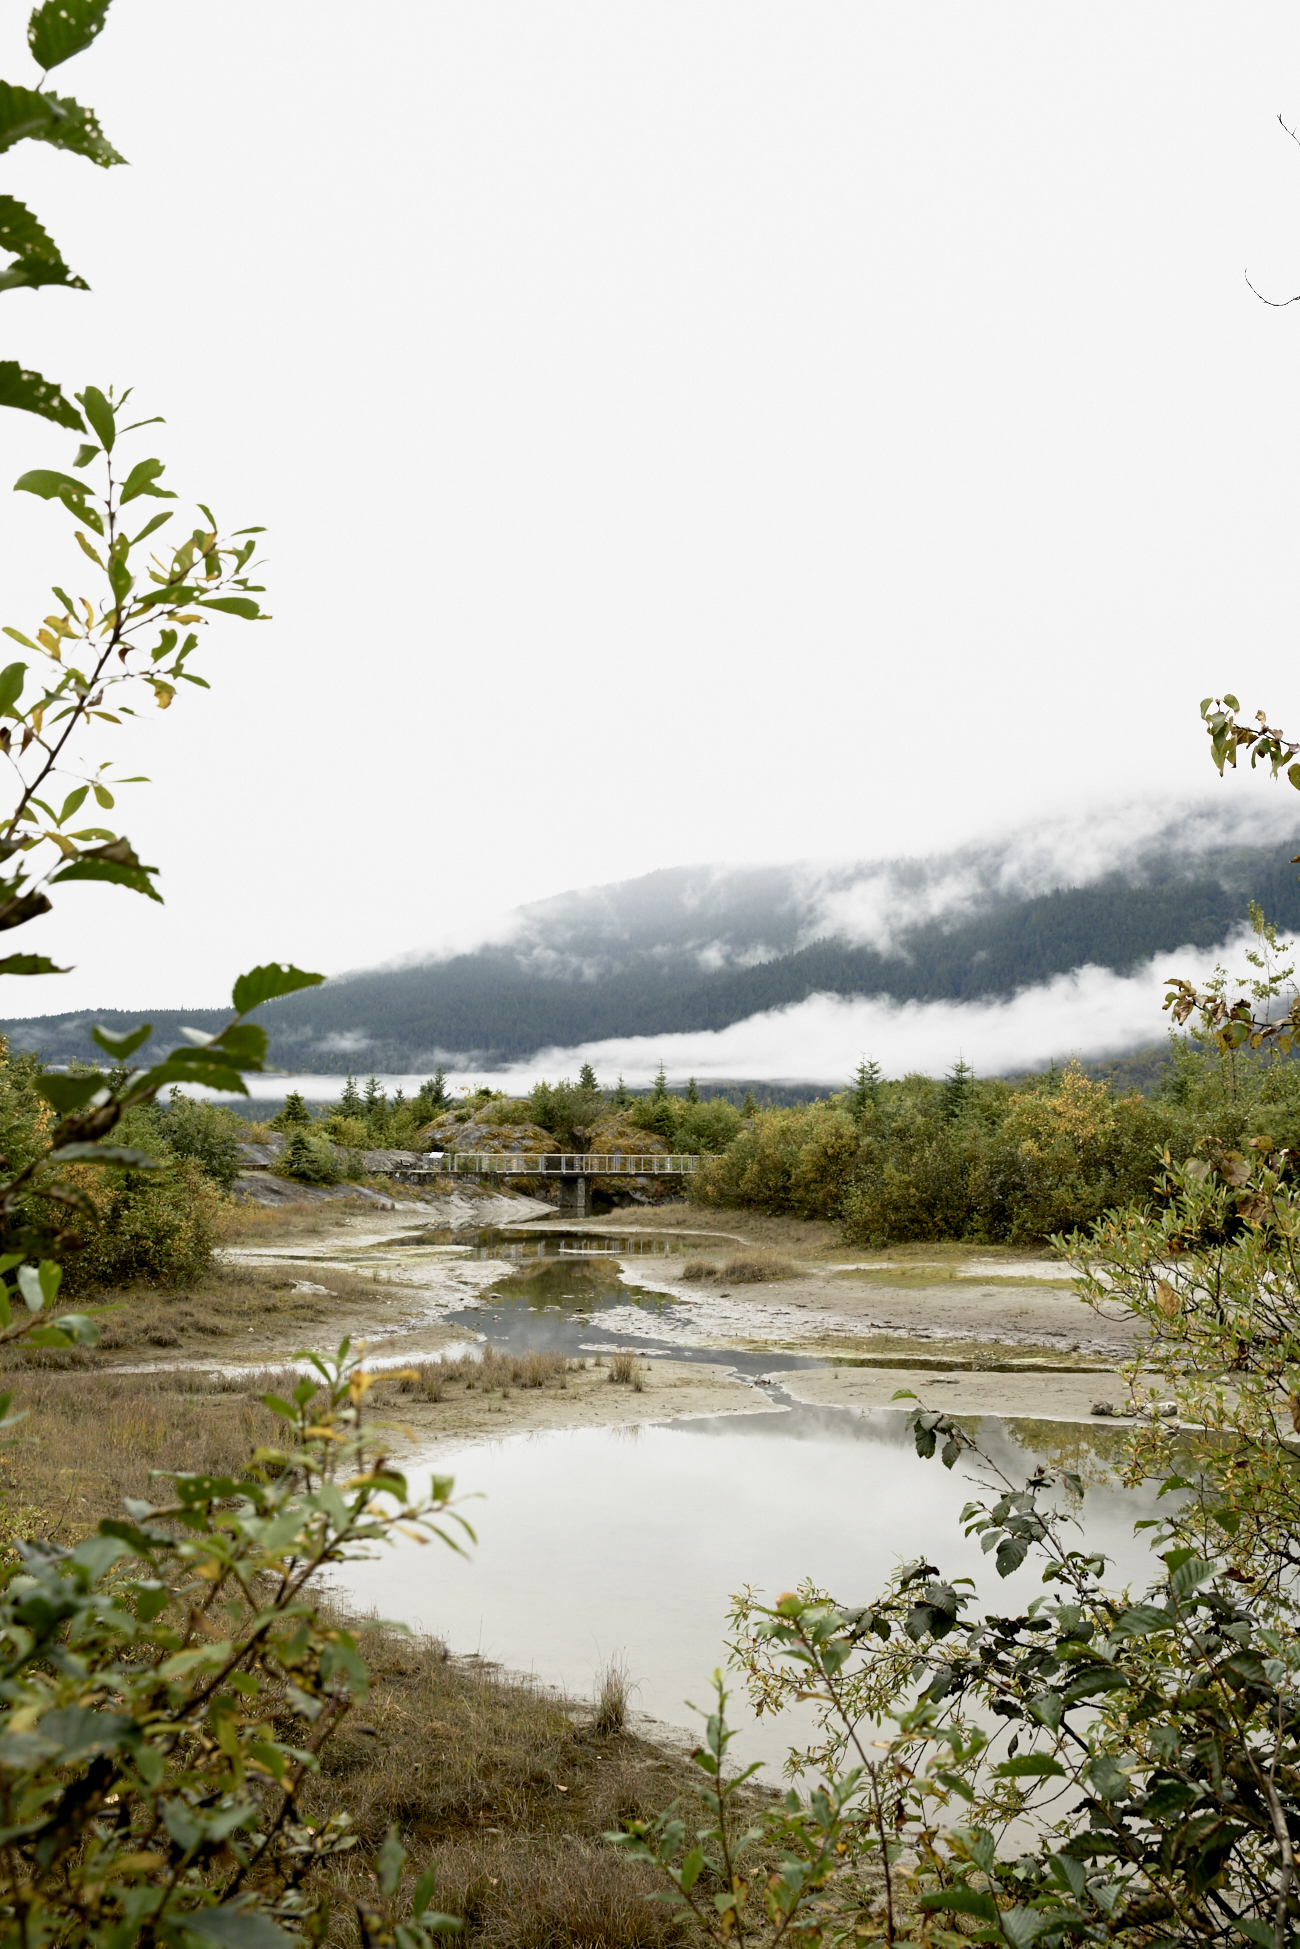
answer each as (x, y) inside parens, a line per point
(583, 1164)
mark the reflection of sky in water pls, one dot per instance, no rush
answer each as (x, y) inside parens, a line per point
(601, 1540)
(555, 1306)
(520, 1245)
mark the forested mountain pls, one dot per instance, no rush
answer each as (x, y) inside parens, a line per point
(702, 948)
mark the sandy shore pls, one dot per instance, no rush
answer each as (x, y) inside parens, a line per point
(988, 1332)
(1061, 1396)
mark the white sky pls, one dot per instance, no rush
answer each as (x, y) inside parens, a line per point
(686, 431)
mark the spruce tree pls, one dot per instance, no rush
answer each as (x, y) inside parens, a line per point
(295, 1111)
(660, 1090)
(865, 1093)
(749, 1107)
(692, 1094)
(350, 1101)
(622, 1096)
(958, 1088)
(587, 1078)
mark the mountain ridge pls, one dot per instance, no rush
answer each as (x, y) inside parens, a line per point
(700, 949)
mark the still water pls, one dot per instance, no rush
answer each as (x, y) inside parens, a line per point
(594, 1542)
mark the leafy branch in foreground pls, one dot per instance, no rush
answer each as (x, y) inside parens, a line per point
(92, 654)
(87, 649)
(56, 31)
(167, 1687)
(1123, 1769)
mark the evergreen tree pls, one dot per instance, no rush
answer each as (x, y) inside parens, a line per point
(295, 1111)
(749, 1107)
(587, 1078)
(432, 1098)
(660, 1090)
(622, 1096)
(376, 1100)
(865, 1093)
(350, 1101)
(692, 1094)
(958, 1088)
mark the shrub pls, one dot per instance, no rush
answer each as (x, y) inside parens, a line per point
(308, 1159)
(207, 1134)
(295, 1112)
(153, 1228)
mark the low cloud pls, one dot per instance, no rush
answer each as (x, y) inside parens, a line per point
(1090, 1012)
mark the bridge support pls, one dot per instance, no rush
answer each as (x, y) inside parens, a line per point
(573, 1195)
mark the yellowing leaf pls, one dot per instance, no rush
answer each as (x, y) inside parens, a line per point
(1167, 1300)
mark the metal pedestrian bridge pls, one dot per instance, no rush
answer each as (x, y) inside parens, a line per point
(572, 1168)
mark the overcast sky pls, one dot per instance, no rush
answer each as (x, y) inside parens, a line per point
(685, 431)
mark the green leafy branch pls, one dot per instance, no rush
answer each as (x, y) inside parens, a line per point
(149, 614)
(167, 1687)
(56, 31)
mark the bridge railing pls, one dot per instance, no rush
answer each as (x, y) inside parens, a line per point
(586, 1164)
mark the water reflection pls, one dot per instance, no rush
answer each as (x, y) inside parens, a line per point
(520, 1243)
(574, 1306)
(591, 1540)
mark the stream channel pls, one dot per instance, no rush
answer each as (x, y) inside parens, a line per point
(600, 1543)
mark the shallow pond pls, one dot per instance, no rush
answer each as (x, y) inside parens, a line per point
(580, 1305)
(595, 1542)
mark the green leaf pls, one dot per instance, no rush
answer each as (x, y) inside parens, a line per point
(39, 1285)
(150, 526)
(104, 798)
(1047, 1708)
(85, 454)
(29, 392)
(1140, 1620)
(422, 1894)
(1030, 1765)
(1110, 1782)
(120, 1154)
(100, 414)
(244, 1044)
(177, 1069)
(12, 678)
(122, 1046)
(24, 234)
(26, 116)
(65, 1093)
(960, 1900)
(1231, 701)
(51, 485)
(235, 606)
(1190, 1574)
(90, 868)
(141, 480)
(265, 984)
(30, 273)
(1260, 1932)
(237, 1928)
(61, 28)
(29, 964)
(388, 1869)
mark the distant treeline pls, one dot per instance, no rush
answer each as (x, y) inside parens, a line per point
(486, 1010)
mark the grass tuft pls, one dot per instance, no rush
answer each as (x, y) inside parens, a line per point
(746, 1268)
(613, 1690)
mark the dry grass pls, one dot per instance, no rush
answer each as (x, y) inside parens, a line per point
(624, 1370)
(215, 1316)
(508, 1789)
(91, 1439)
(493, 1373)
(249, 1223)
(742, 1269)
